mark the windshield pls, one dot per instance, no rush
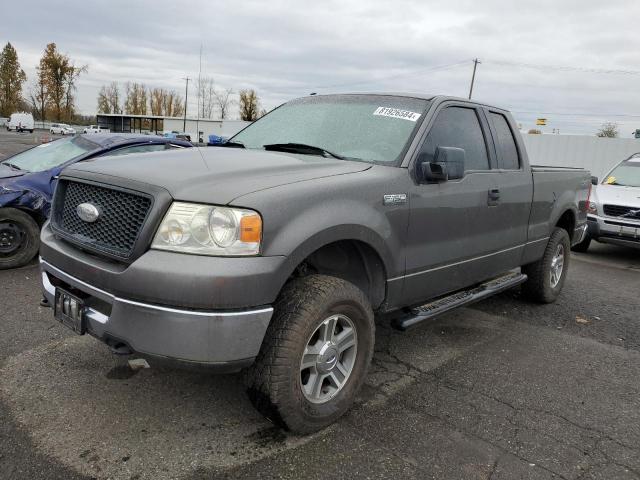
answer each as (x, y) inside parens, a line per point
(373, 128)
(50, 155)
(626, 174)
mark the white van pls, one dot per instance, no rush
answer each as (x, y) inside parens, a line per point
(21, 122)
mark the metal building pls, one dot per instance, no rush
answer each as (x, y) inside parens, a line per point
(153, 124)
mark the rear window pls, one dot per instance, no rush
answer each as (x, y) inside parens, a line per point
(506, 144)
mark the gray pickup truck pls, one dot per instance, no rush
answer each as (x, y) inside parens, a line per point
(273, 253)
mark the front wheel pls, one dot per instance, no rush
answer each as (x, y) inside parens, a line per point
(315, 354)
(547, 275)
(19, 238)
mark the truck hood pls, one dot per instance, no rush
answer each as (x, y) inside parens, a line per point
(215, 174)
(618, 195)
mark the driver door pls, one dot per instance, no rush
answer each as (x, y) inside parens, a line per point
(454, 225)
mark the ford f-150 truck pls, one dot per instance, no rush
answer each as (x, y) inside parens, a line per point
(273, 252)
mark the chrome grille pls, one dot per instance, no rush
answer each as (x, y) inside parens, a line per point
(622, 211)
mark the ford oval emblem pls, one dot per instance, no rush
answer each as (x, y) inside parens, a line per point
(88, 212)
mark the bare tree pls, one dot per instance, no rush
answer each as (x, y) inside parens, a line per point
(157, 100)
(173, 104)
(112, 99)
(70, 86)
(206, 97)
(224, 101)
(608, 130)
(109, 99)
(136, 100)
(38, 97)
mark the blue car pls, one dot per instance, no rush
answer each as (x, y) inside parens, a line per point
(27, 181)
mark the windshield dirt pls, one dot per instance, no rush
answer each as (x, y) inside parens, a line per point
(372, 128)
(50, 155)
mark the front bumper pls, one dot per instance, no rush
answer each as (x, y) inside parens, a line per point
(229, 340)
(614, 230)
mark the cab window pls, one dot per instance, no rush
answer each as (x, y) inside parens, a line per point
(459, 127)
(505, 143)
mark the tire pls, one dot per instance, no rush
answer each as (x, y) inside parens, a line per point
(583, 246)
(19, 238)
(541, 286)
(277, 383)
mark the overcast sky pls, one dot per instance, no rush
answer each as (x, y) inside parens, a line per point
(286, 49)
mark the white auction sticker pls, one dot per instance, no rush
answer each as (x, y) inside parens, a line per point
(397, 113)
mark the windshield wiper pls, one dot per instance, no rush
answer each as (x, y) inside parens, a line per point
(301, 148)
(15, 167)
(231, 145)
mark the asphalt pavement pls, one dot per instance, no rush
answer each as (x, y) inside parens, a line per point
(506, 389)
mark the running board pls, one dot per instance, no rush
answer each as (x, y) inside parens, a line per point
(458, 299)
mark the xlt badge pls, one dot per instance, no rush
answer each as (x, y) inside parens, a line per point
(394, 199)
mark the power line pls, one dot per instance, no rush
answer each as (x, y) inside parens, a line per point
(579, 114)
(398, 75)
(564, 68)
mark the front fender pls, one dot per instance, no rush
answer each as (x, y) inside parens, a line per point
(300, 218)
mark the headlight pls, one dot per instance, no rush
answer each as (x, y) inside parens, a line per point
(209, 230)
(592, 208)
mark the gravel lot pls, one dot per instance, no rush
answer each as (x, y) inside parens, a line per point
(504, 390)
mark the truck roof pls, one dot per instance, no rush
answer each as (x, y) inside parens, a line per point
(421, 96)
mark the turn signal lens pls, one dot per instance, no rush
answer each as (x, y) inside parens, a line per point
(250, 229)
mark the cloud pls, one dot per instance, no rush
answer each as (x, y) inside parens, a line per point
(286, 49)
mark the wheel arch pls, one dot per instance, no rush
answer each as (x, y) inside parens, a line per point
(567, 221)
(354, 254)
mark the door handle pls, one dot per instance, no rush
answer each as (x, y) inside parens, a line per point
(494, 196)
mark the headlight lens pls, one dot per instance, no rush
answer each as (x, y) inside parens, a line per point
(592, 208)
(209, 230)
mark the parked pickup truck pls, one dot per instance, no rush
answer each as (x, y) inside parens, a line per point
(95, 129)
(274, 251)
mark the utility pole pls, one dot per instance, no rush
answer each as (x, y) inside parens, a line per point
(199, 93)
(186, 98)
(473, 77)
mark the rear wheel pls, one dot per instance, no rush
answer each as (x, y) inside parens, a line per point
(547, 275)
(19, 238)
(315, 354)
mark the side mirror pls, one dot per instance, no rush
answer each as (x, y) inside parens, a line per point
(447, 164)
(594, 180)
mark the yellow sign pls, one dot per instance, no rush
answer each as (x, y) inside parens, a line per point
(541, 121)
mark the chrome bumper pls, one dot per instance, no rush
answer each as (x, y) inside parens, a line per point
(208, 337)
